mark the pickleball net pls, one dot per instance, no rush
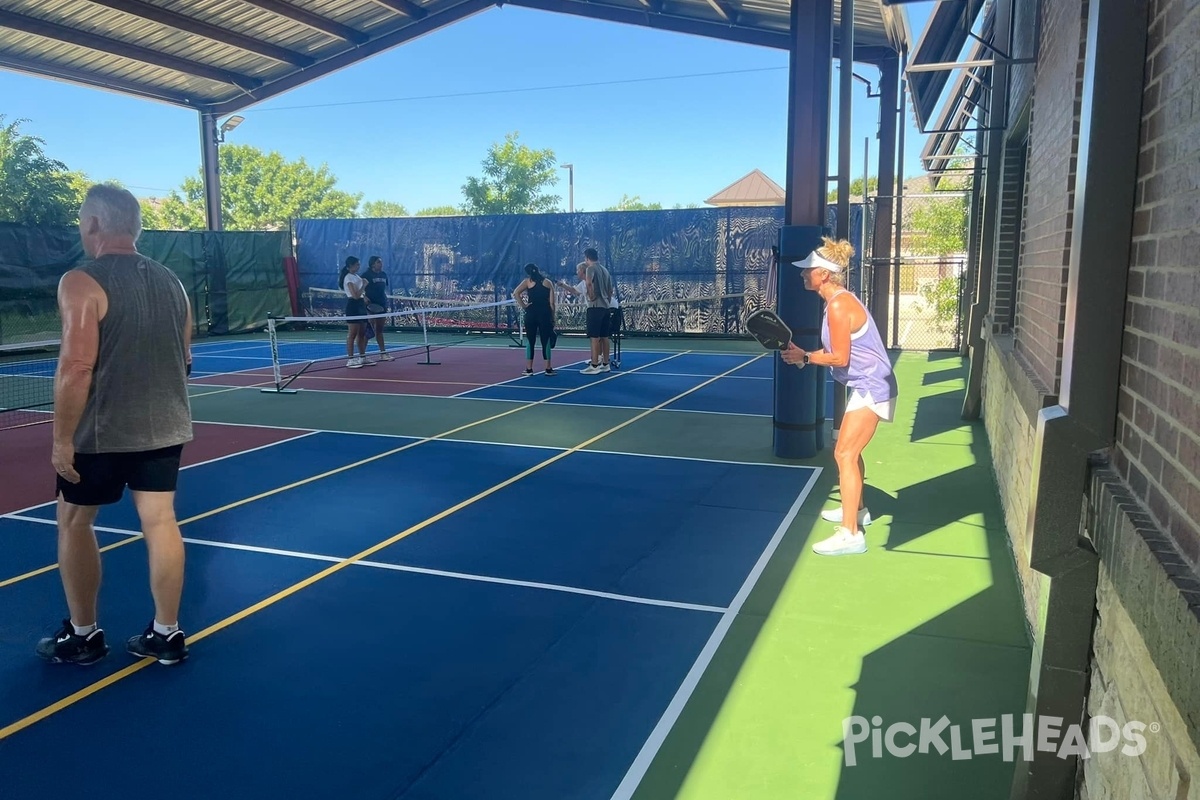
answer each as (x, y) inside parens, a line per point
(27, 383)
(304, 345)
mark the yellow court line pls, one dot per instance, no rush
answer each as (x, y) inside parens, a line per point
(87, 691)
(368, 460)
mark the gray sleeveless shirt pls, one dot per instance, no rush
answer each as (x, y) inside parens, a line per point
(138, 399)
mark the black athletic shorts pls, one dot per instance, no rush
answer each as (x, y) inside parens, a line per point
(597, 322)
(104, 476)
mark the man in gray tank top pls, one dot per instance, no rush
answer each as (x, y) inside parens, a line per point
(121, 418)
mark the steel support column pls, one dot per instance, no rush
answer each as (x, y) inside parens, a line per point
(798, 433)
(845, 117)
(210, 167)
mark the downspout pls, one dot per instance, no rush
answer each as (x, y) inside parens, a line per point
(1084, 421)
(997, 124)
(973, 236)
(881, 243)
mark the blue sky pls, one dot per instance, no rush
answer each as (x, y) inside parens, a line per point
(675, 140)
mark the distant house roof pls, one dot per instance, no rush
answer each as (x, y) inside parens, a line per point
(755, 189)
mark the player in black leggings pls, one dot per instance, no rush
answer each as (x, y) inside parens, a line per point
(535, 296)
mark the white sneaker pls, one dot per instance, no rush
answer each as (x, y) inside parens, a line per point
(385, 356)
(590, 370)
(366, 362)
(604, 368)
(354, 363)
(835, 515)
(842, 543)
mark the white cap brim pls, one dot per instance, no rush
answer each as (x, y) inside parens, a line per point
(815, 261)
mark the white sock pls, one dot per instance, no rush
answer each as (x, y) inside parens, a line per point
(164, 630)
(83, 630)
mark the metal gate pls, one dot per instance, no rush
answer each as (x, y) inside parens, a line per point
(926, 303)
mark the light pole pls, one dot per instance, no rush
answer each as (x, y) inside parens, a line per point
(570, 168)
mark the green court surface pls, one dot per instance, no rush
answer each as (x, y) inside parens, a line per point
(927, 623)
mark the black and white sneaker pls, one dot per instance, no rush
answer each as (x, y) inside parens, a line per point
(169, 649)
(67, 647)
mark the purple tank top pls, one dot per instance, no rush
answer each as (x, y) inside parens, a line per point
(870, 369)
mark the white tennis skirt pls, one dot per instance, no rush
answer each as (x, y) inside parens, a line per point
(885, 410)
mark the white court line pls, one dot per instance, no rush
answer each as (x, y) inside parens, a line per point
(520, 377)
(552, 448)
(301, 434)
(637, 770)
(462, 576)
(597, 405)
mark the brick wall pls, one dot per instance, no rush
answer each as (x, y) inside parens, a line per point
(1012, 439)
(1054, 128)
(1158, 426)
(1143, 511)
(1146, 652)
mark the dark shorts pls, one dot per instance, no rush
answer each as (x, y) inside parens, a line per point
(104, 476)
(356, 308)
(597, 322)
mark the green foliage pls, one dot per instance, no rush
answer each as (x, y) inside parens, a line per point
(937, 226)
(383, 208)
(943, 297)
(34, 188)
(856, 188)
(439, 211)
(627, 203)
(515, 179)
(260, 191)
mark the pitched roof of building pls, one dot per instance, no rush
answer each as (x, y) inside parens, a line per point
(755, 189)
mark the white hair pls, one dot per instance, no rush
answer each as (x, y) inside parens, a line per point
(116, 209)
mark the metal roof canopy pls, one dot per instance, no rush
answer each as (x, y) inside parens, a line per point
(942, 40)
(221, 56)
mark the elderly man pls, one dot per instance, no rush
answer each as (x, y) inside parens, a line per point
(121, 418)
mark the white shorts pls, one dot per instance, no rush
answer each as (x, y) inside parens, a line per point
(885, 410)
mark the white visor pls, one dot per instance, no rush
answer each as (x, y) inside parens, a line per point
(815, 260)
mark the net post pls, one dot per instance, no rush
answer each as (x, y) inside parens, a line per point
(428, 362)
(273, 338)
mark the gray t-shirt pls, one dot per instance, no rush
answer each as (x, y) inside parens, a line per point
(138, 398)
(602, 282)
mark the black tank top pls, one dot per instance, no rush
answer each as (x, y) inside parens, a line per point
(539, 299)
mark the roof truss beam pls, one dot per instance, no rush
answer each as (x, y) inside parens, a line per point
(49, 69)
(173, 19)
(408, 9)
(412, 30)
(133, 52)
(315, 21)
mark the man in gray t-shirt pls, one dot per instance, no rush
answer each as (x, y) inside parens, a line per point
(121, 418)
(599, 294)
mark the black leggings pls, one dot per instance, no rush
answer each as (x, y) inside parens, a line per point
(535, 327)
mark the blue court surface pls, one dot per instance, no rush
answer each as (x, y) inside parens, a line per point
(389, 617)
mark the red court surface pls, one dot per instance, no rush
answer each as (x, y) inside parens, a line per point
(27, 479)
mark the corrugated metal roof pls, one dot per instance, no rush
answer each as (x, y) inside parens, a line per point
(223, 55)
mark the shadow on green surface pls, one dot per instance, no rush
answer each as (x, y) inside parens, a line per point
(968, 662)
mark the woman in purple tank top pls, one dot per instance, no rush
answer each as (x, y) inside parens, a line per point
(854, 352)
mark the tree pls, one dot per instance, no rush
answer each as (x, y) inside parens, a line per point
(514, 181)
(634, 203)
(856, 189)
(260, 191)
(439, 211)
(937, 226)
(34, 188)
(383, 208)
